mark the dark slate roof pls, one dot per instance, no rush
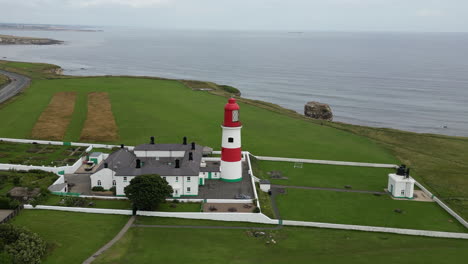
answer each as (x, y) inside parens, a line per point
(123, 162)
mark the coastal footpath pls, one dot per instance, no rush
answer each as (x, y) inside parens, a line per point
(15, 40)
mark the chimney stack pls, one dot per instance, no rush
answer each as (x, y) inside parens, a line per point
(138, 164)
(152, 140)
(407, 173)
(185, 141)
(177, 164)
(190, 156)
(193, 145)
(106, 165)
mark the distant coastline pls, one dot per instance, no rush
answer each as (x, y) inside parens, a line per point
(15, 40)
(40, 27)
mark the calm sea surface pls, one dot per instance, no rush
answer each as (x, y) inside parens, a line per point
(410, 81)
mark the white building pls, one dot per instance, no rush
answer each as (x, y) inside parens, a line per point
(180, 165)
(400, 184)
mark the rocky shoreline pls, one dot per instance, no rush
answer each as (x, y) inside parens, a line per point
(14, 40)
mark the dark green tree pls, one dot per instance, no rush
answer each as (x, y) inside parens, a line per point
(21, 245)
(147, 191)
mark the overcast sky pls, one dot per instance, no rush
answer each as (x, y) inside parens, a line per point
(302, 15)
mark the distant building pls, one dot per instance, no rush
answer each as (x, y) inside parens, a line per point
(400, 184)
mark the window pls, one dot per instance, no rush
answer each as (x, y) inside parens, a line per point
(125, 178)
(188, 189)
(235, 116)
(231, 140)
(402, 192)
(188, 179)
(99, 182)
(176, 178)
(164, 178)
(114, 183)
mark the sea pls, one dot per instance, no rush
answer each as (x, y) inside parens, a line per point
(409, 81)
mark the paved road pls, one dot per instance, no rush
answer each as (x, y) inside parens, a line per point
(17, 84)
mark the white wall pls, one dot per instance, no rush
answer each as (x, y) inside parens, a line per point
(235, 133)
(105, 175)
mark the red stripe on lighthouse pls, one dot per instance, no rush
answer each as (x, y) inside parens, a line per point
(230, 155)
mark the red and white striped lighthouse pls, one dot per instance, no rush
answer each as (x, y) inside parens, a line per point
(231, 157)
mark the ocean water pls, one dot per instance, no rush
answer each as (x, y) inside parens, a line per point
(410, 81)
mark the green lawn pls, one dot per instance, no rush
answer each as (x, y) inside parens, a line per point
(364, 209)
(329, 176)
(168, 110)
(293, 245)
(3, 80)
(39, 154)
(72, 237)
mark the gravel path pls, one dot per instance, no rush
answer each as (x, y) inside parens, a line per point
(112, 242)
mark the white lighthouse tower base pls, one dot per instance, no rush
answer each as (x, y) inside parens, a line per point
(231, 171)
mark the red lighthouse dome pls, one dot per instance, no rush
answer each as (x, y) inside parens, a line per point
(231, 114)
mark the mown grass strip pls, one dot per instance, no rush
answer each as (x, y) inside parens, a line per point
(100, 123)
(54, 120)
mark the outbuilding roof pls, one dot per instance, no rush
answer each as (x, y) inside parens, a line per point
(123, 161)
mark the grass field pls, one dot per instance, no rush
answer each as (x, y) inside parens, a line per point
(172, 117)
(293, 245)
(328, 176)
(53, 121)
(72, 237)
(364, 209)
(38, 154)
(3, 80)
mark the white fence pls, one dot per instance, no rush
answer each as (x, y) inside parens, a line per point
(329, 162)
(60, 143)
(444, 206)
(252, 177)
(402, 231)
(235, 217)
(254, 218)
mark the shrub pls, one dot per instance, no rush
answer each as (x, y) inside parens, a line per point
(71, 201)
(22, 246)
(7, 203)
(113, 190)
(97, 189)
(256, 210)
(16, 181)
(230, 89)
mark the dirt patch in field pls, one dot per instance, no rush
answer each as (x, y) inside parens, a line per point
(228, 207)
(100, 123)
(54, 120)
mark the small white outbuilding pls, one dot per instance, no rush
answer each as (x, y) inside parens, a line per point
(400, 184)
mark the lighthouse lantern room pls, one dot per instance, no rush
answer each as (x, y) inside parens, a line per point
(231, 156)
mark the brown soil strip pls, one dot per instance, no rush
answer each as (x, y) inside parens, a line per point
(100, 123)
(54, 120)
